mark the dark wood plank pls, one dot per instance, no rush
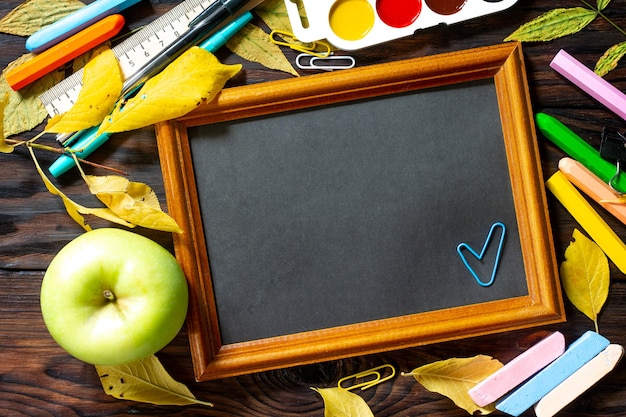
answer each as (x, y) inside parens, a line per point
(37, 378)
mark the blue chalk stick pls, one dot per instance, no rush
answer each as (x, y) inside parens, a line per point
(587, 347)
(74, 23)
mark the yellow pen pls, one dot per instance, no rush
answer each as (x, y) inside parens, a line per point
(588, 219)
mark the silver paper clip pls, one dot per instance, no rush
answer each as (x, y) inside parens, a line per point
(329, 63)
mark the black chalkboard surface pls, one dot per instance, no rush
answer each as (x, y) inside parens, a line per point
(339, 214)
(323, 215)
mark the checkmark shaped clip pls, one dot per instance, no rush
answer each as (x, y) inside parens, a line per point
(465, 247)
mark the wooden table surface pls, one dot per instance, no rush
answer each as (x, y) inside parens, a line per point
(37, 378)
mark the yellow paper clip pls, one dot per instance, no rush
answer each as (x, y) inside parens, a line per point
(296, 45)
(374, 372)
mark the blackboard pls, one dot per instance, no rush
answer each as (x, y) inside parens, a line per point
(333, 219)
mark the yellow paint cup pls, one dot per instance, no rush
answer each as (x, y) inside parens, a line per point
(351, 20)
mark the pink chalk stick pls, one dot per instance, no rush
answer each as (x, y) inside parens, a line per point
(593, 186)
(590, 82)
(518, 370)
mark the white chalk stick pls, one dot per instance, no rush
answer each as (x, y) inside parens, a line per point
(579, 382)
(518, 370)
(579, 353)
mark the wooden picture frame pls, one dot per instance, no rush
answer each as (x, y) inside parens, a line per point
(503, 64)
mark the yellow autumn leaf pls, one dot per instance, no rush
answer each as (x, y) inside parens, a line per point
(455, 377)
(4, 146)
(195, 76)
(145, 381)
(102, 86)
(585, 275)
(134, 202)
(75, 210)
(339, 402)
(32, 15)
(253, 44)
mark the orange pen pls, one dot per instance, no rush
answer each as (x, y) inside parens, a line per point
(72, 47)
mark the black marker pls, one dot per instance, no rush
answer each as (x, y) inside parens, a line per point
(198, 29)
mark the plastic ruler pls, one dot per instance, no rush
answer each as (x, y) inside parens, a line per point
(132, 53)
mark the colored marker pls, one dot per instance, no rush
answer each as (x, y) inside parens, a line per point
(589, 219)
(51, 59)
(587, 347)
(590, 82)
(518, 370)
(88, 141)
(593, 186)
(74, 23)
(577, 148)
(579, 382)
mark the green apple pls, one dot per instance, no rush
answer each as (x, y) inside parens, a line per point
(111, 296)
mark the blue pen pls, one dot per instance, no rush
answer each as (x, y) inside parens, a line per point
(74, 23)
(88, 142)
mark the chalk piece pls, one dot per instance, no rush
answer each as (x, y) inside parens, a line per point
(593, 186)
(579, 382)
(590, 82)
(579, 353)
(518, 370)
(588, 218)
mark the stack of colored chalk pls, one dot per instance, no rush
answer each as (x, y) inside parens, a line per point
(548, 376)
(68, 38)
(586, 169)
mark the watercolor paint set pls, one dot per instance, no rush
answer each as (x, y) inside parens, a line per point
(355, 24)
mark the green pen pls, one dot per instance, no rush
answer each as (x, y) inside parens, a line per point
(580, 150)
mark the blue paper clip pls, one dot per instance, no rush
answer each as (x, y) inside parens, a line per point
(329, 63)
(480, 256)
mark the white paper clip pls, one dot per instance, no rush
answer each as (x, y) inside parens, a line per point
(329, 63)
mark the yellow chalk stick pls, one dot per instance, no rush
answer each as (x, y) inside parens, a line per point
(588, 219)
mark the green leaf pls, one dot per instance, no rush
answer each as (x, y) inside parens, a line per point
(602, 4)
(32, 15)
(145, 381)
(339, 402)
(610, 59)
(24, 110)
(585, 275)
(455, 377)
(554, 24)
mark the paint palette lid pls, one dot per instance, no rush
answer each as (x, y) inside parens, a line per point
(355, 24)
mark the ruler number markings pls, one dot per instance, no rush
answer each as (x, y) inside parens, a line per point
(132, 53)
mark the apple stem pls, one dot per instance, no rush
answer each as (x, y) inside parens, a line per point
(108, 294)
